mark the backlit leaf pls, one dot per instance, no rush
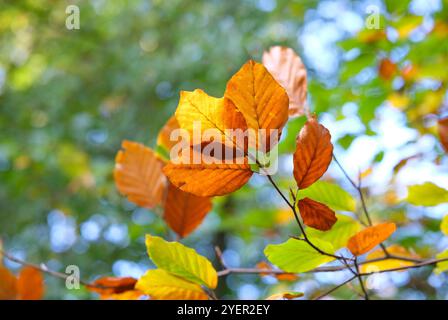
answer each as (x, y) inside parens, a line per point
(316, 215)
(285, 296)
(387, 69)
(30, 284)
(181, 261)
(298, 256)
(370, 237)
(184, 212)
(162, 285)
(256, 94)
(209, 177)
(330, 194)
(427, 194)
(164, 142)
(115, 288)
(444, 225)
(288, 69)
(344, 228)
(8, 285)
(138, 175)
(442, 266)
(313, 153)
(395, 250)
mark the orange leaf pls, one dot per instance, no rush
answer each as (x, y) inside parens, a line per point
(281, 277)
(370, 237)
(443, 132)
(313, 153)
(387, 69)
(261, 100)
(208, 178)
(8, 285)
(316, 215)
(288, 69)
(115, 288)
(184, 212)
(30, 284)
(163, 139)
(138, 174)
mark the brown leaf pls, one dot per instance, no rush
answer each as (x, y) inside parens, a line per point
(138, 175)
(30, 284)
(184, 212)
(370, 237)
(288, 69)
(8, 285)
(443, 133)
(316, 215)
(313, 153)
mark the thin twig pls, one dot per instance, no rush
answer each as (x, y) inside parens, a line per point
(361, 283)
(335, 288)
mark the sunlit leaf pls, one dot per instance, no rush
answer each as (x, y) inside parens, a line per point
(330, 194)
(138, 175)
(288, 69)
(313, 153)
(298, 256)
(344, 228)
(184, 212)
(164, 141)
(181, 261)
(162, 285)
(443, 132)
(387, 69)
(442, 266)
(115, 288)
(285, 296)
(444, 225)
(427, 194)
(370, 237)
(30, 284)
(316, 215)
(395, 250)
(8, 285)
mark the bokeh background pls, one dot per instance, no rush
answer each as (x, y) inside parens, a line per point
(69, 97)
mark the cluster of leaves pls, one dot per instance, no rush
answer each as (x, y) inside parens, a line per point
(28, 285)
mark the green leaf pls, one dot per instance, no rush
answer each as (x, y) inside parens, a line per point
(344, 228)
(181, 261)
(297, 256)
(427, 194)
(330, 194)
(444, 225)
(442, 266)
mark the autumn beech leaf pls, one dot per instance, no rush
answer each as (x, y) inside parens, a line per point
(313, 153)
(8, 285)
(184, 212)
(285, 296)
(386, 264)
(30, 284)
(288, 69)
(263, 265)
(138, 175)
(115, 288)
(316, 215)
(162, 285)
(181, 261)
(259, 97)
(330, 194)
(443, 132)
(370, 237)
(210, 177)
(387, 69)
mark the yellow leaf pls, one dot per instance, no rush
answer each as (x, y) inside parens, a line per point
(444, 225)
(138, 175)
(162, 285)
(181, 261)
(395, 250)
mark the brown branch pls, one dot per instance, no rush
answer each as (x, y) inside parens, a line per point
(335, 288)
(361, 283)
